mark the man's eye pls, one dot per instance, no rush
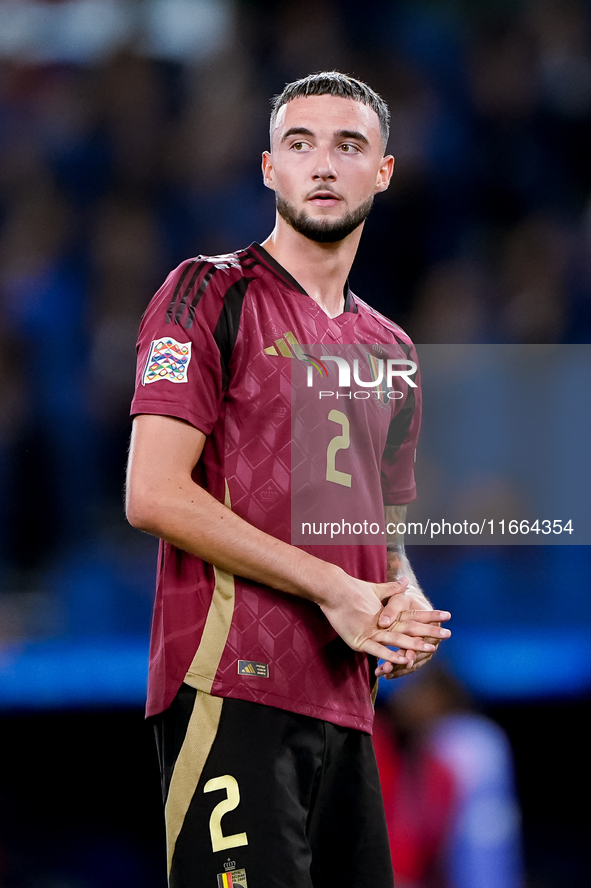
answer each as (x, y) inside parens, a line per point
(298, 146)
(349, 149)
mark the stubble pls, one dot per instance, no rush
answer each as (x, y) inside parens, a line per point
(324, 231)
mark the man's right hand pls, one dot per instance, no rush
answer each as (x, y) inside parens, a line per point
(352, 612)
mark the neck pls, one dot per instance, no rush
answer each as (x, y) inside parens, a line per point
(321, 269)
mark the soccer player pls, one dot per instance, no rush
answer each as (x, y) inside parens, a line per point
(264, 653)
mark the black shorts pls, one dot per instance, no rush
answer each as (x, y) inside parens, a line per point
(257, 797)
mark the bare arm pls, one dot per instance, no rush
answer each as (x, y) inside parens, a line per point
(413, 599)
(398, 563)
(163, 499)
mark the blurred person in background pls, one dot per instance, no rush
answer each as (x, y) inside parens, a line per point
(447, 777)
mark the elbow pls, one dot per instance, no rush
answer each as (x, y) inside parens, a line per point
(141, 510)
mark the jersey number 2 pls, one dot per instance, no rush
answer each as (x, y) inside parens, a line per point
(220, 842)
(339, 442)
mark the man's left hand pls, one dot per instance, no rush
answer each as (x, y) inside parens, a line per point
(402, 607)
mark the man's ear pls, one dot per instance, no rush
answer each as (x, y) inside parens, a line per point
(385, 173)
(268, 171)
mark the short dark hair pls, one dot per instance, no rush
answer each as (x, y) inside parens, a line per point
(333, 83)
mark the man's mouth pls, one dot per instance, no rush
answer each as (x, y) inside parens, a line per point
(324, 199)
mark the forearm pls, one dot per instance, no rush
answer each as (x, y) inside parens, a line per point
(398, 563)
(163, 499)
(186, 515)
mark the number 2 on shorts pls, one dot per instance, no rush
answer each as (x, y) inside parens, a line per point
(220, 842)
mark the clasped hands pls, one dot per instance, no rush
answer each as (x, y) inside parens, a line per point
(409, 619)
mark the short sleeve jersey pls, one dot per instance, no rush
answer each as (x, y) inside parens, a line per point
(216, 348)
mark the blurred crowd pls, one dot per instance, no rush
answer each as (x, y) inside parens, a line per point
(130, 139)
(116, 166)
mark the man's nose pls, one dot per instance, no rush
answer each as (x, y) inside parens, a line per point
(324, 167)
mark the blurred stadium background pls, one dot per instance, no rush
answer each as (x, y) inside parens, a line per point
(130, 136)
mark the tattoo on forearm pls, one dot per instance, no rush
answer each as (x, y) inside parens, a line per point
(398, 564)
(395, 561)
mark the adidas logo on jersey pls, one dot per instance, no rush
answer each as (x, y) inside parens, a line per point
(251, 667)
(287, 346)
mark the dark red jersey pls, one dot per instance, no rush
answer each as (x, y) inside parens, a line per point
(218, 347)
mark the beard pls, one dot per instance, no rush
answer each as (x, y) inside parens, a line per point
(324, 231)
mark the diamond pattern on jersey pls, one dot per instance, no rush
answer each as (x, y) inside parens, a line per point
(268, 495)
(255, 451)
(275, 621)
(311, 670)
(293, 636)
(340, 430)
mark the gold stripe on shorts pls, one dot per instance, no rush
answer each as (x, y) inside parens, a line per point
(201, 732)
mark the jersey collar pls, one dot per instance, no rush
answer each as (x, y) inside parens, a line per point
(264, 256)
